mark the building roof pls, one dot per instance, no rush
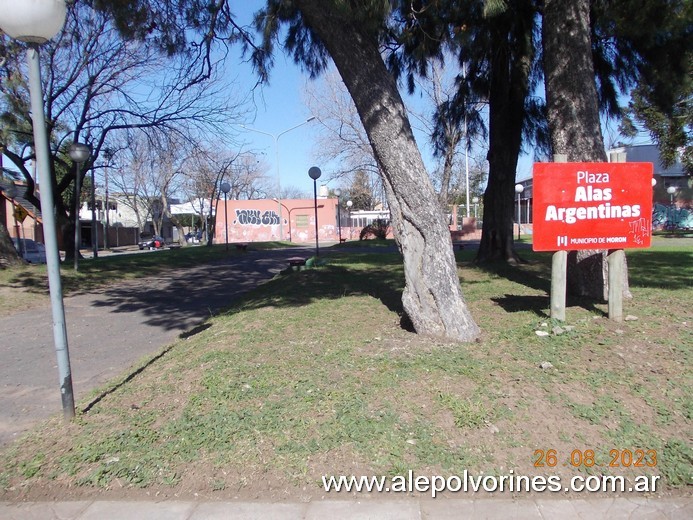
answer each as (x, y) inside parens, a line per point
(18, 197)
(650, 153)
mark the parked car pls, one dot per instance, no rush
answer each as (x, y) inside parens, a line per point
(33, 252)
(154, 242)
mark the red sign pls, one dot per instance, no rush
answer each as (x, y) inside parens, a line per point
(591, 206)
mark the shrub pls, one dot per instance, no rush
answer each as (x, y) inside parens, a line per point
(377, 229)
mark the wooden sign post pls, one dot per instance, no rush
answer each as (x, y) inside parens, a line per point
(591, 206)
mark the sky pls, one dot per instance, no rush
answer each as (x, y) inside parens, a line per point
(279, 107)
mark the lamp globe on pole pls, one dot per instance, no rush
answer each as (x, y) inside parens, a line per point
(32, 21)
(338, 193)
(349, 204)
(35, 22)
(79, 153)
(315, 173)
(671, 190)
(226, 187)
(519, 188)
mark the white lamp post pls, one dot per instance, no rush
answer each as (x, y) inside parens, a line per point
(35, 22)
(519, 188)
(349, 204)
(276, 137)
(226, 187)
(338, 193)
(108, 155)
(671, 190)
(79, 153)
(475, 200)
(315, 173)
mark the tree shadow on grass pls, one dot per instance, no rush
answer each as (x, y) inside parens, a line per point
(328, 282)
(518, 303)
(661, 269)
(535, 275)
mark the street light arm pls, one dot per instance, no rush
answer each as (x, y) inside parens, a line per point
(277, 136)
(294, 127)
(258, 131)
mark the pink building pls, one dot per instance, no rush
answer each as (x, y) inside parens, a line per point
(259, 220)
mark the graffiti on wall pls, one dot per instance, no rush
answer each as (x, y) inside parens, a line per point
(256, 217)
(671, 217)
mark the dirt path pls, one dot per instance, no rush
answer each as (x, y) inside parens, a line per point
(110, 330)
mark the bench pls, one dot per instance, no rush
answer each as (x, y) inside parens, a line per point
(296, 261)
(242, 247)
(342, 240)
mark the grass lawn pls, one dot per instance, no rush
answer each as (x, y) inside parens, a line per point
(313, 375)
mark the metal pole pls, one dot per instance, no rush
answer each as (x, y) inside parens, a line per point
(78, 189)
(519, 215)
(94, 230)
(279, 186)
(49, 233)
(315, 198)
(226, 222)
(105, 233)
(339, 221)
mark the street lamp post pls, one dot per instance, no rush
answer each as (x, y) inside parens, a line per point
(108, 155)
(315, 173)
(288, 212)
(338, 192)
(275, 138)
(475, 200)
(671, 190)
(35, 23)
(226, 187)
(519, 188)
(94, 229)
(79, 153)
(349, 204)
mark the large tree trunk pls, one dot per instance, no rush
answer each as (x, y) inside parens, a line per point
(509, 86)
(573, 115)
(432, 296)
(8, 254)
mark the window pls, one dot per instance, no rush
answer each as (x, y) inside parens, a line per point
(302, 221)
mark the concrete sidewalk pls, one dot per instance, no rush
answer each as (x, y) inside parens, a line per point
(373, 509)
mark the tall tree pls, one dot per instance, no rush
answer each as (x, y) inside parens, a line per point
(349, 34)
(573, 115)
(361, 192)
(97, 84)
(647, 46)
(495, 43)
(644, 44)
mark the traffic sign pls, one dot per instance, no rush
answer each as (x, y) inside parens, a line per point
(20, 213)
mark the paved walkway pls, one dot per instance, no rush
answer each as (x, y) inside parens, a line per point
(111, 329)
(372, 509)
